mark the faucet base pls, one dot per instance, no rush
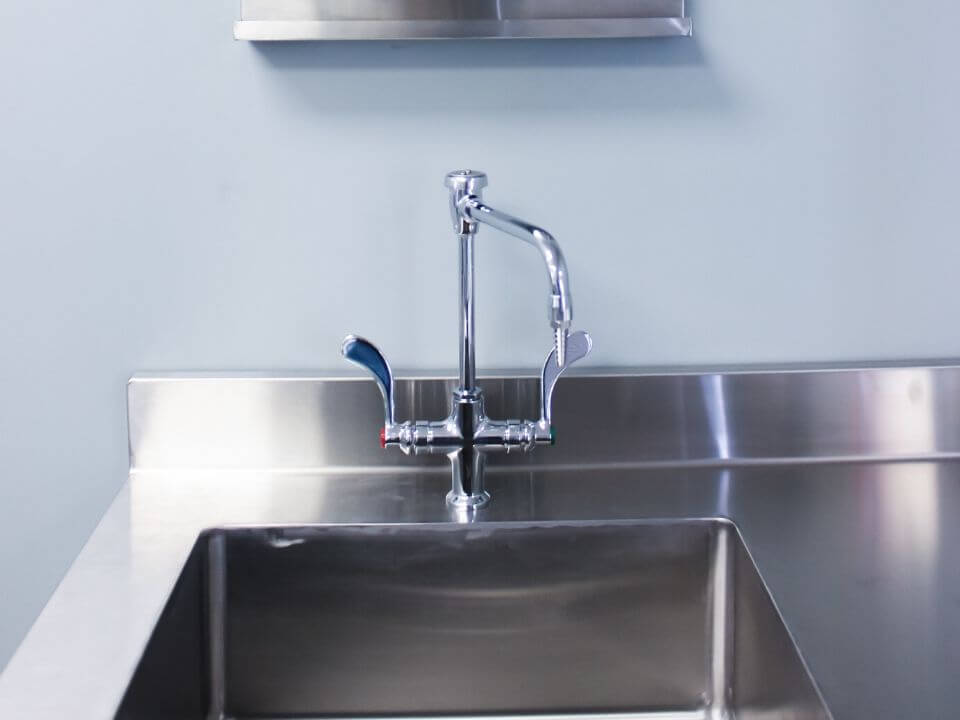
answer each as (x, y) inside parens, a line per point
(461, 500)
(466, 470)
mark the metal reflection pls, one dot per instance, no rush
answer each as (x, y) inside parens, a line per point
(714, 402)
(902, 415)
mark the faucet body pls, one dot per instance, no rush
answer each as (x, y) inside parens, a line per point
(466, 435)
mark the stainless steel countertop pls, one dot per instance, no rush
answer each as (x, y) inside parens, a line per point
(859, 557)
(844, 482)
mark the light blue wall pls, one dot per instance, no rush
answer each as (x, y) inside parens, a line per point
(781, 188)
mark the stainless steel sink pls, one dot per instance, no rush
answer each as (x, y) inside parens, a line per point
(665, 619)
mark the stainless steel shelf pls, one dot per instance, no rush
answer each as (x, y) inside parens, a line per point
(459, 19)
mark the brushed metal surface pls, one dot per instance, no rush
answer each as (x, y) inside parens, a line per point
(859, 557)
(725, 418)
(458, 19)
(640, 619)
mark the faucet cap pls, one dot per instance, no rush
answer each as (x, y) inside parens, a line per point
(466, 182)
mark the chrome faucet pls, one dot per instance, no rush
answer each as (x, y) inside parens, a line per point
(467, 434)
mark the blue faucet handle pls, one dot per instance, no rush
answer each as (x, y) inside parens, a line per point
(365, 354)
(579, 345)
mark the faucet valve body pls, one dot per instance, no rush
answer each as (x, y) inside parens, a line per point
(467, 434)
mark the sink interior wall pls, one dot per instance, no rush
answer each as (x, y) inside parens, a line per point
(456, 621)
(172, 679)
(768, 677)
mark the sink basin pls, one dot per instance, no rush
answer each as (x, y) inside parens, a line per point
(659, 619)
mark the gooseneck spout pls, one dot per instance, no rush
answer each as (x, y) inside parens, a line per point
(561, 308)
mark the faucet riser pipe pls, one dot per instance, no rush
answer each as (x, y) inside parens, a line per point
(468, 372)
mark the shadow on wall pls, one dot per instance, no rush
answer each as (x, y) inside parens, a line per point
(577, 76)
(456, 55)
